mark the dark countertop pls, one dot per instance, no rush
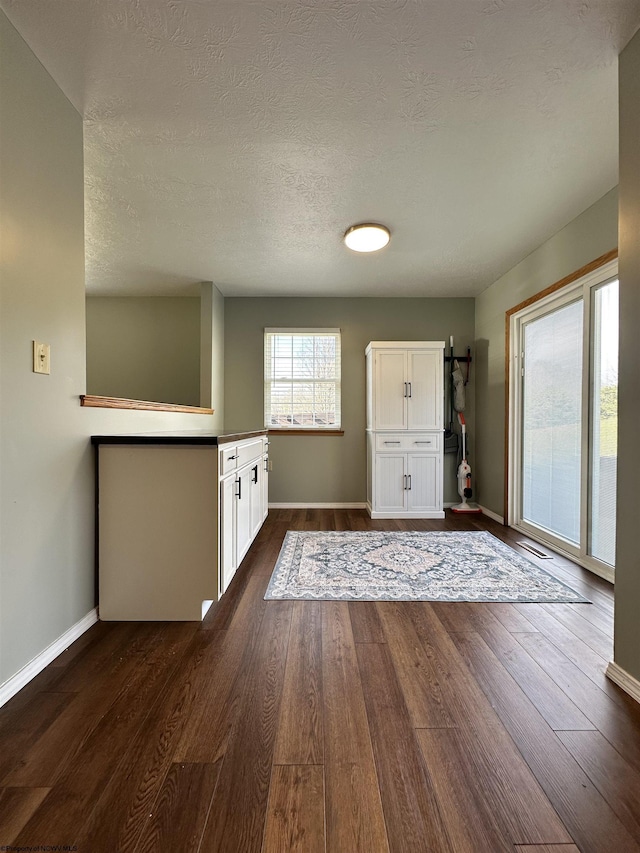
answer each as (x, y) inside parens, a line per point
(196, 437)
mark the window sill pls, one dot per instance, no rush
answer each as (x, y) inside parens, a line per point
(306, 432)
(122, 403)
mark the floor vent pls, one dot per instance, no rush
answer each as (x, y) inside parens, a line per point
(535, 551)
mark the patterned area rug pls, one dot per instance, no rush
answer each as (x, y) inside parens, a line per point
(408, 566)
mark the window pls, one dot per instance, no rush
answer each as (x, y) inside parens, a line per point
(563, 418)
(302, 378)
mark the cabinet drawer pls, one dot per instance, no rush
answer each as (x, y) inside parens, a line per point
(425, 441)
(234, 456)
(228, 459)
(248, 451)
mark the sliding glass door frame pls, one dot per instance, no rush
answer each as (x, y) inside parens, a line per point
(581, 289)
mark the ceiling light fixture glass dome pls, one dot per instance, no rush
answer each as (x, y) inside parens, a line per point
(367, 237)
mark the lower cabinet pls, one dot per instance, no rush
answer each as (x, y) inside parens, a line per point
(401, 482)
(175, 521)
(243, 508)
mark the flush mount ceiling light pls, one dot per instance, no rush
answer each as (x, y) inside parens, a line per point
(366, 237)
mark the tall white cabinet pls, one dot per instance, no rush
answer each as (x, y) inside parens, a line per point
(405, 390)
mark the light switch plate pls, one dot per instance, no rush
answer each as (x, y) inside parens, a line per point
(41, 357)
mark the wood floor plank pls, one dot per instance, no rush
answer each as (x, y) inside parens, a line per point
(546, 848)
(595, 615)
(621, 726)
(17, 805)
(411, 812)
(470, 823)
(295, 815)
(516, 799)
(617, 781)
(120, 814)
(354, 817)
(22, 726)
(61, 817)
(238, 810)
(124, 640)
(96, 634)
(514, 621)
(585, 658)
(420, 670)
(214, 711)
(588, 817)
(582, 628)
(181, 810)
(365, 622)
(341, 519)
(50, 754)
(300, 736)
(552, 702)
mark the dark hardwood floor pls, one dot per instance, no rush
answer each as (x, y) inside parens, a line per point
(331, 726)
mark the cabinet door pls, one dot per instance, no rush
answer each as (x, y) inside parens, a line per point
(255, 482)
(228, 564)
(390, 482)
(243, 513)
(391, 389)
(425, 389)
(424, 493)
(265, 487)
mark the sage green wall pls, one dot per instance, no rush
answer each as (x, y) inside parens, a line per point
(212, 348)
(590, 235)
(46, 463)
(326, 469)
(144, 348)
(627, 622)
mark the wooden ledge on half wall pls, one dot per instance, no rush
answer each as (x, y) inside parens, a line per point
(147, 405)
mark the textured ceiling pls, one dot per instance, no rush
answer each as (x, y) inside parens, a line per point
(236, 141)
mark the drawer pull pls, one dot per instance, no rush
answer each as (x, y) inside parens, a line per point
(392, 442)
(423, 442)
(231, 457)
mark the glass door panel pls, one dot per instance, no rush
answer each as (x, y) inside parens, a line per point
(604, 423)
(552, 422)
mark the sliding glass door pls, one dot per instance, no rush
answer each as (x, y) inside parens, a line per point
(563, 419)
(604, 423)
(552, 422)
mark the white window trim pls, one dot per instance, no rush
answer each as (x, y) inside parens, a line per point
(309, 331)
(579, 289)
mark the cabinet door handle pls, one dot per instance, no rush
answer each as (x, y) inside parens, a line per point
(255, 473)
(239, 485)
(405, 390)
(404, 476)
(266, 464)
(409, 384)
(409, 476)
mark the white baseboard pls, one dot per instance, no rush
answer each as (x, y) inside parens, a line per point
(356, 505)
(622, 678)
(490, 514)
(28, 672)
